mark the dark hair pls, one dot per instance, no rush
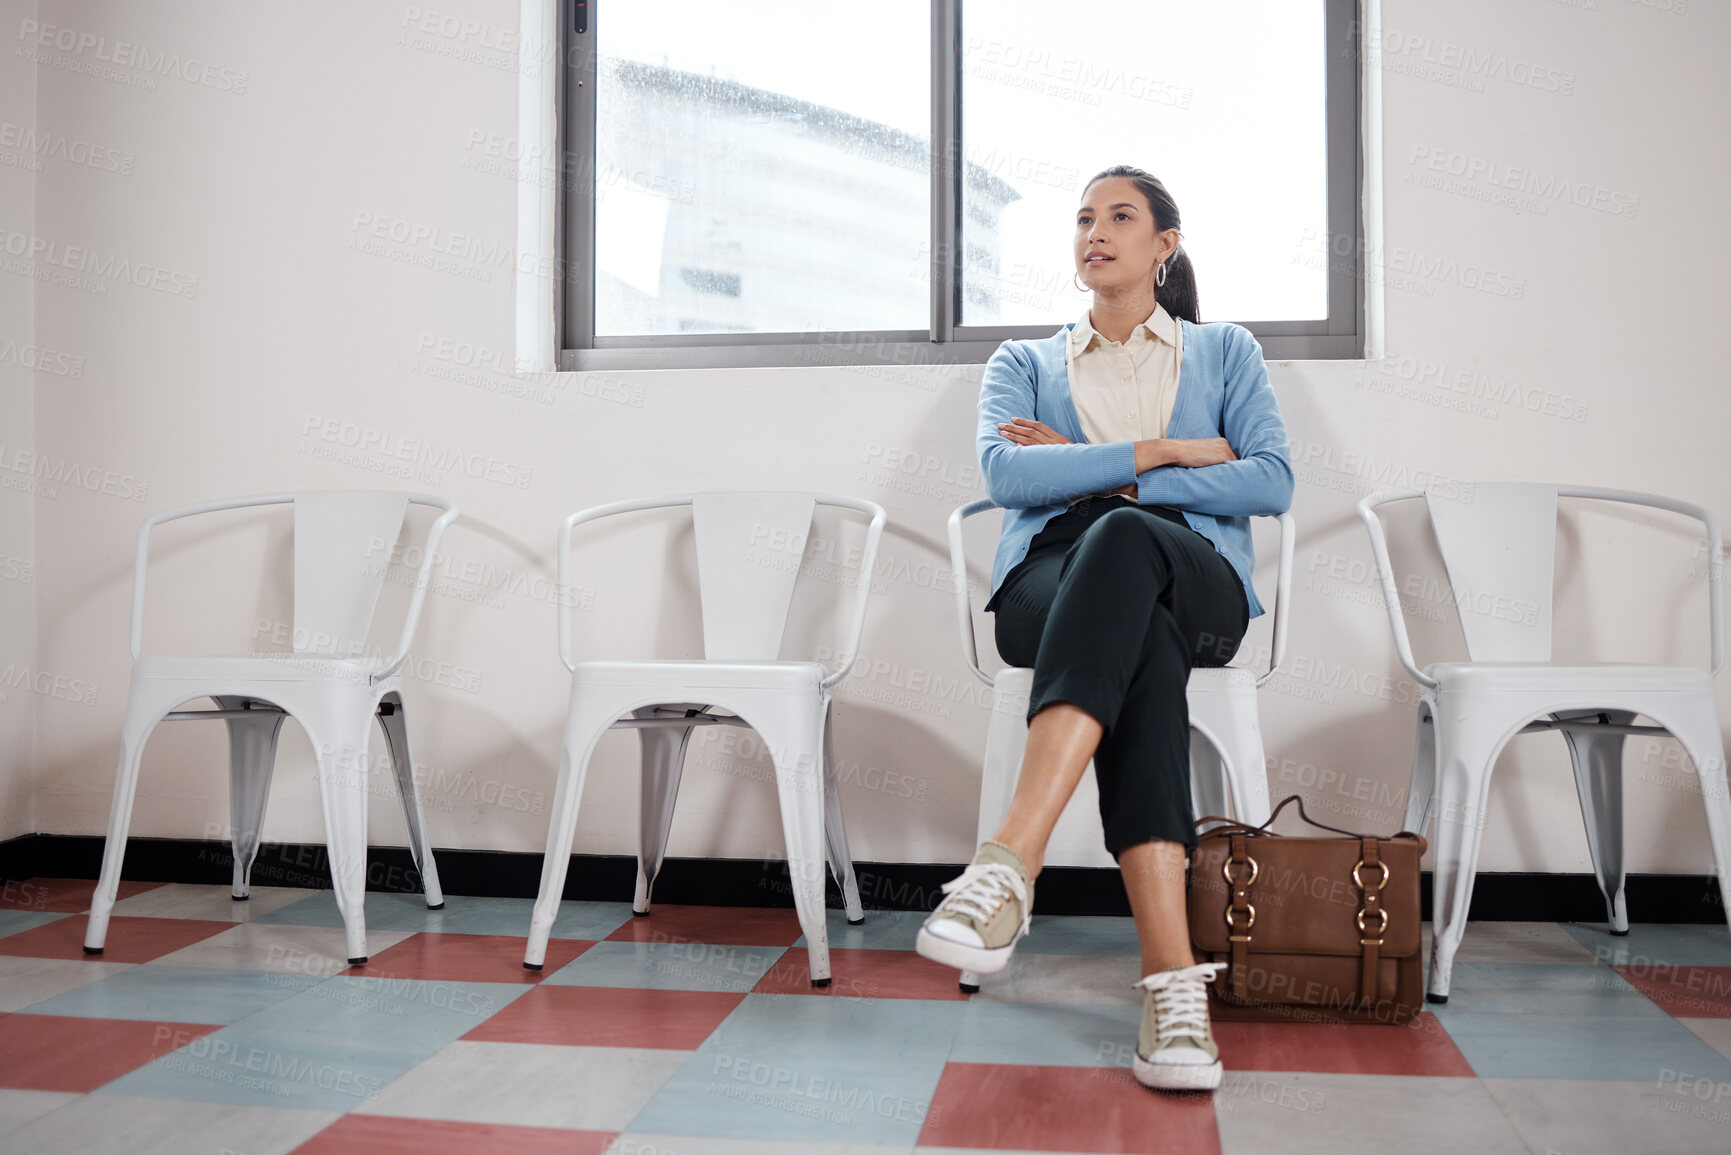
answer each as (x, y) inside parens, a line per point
(1178, 294)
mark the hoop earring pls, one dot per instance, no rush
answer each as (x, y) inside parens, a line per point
(1160, 274)
(1079, 288)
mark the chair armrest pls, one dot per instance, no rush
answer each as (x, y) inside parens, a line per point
(593, 513)
(1385, 572)
(1715, 553)
(868, 566)
(959, 584)
(423, 578)
(1282, 598)
(141, 558)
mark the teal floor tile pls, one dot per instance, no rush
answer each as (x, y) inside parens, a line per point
(462, 914)
(1081, 934)
(677, 966)
(14, 921)
(881, 930)
(1047, 1034)
(1657, 944)
(1542, 988)
(330, 1047)
(1618, 1048)
(171, 994)
(803, 1068)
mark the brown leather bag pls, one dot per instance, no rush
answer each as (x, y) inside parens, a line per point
(1310, 929)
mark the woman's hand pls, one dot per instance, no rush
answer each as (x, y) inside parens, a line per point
(1024, 431)
(1190, 452)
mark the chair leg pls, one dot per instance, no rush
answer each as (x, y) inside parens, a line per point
(395, 726)
(835, 831)
(251, 761)
(1598, 761)
(339, 726)
(1006, 742)
(663, 763)
(1210, 793)
(132, 736)
(1696, 726)
(791, 729)
(583, 726)
(1465, 750)
(1233, 718)
(1422, 785)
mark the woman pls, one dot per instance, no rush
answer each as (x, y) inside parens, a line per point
(1129, 449)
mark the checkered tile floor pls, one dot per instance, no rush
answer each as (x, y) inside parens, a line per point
(216, 1026)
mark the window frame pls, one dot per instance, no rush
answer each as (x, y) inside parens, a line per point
(1343, 335)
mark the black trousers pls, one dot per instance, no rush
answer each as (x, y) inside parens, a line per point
(1112, 606)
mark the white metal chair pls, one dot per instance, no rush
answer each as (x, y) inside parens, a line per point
(1498, 548)
(1228, 771)
(328, 684)
(749, 546)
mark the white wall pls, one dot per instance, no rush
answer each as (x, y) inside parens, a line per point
(293, 325)
(18, 353)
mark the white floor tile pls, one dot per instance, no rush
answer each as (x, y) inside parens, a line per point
(20, 1107)
(24, 981)
(261, 946)
(125, 1125)
(530, 1085)
(1681, 1116)
(187, 900)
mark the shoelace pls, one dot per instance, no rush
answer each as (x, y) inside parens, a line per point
(984, 887)
(1181, 1001)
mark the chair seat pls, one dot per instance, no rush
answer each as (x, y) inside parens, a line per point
(1547, 677)
(261, 668)
(1203, 679)
(1220, 679)
(698, 673)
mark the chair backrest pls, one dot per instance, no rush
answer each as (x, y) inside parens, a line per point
(749, 546)
(342, 549)
(1499, 545)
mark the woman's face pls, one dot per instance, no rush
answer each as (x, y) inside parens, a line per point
(1114, 220)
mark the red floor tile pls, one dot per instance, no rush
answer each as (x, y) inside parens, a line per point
(62, 1053)
(130, 940)
(61, 895)
(863, 974)
(609, 1017)
(722, 925)
(477, 958)
(1421, 1047)
(987, 1105)
(385, 1135)
(1686, 992)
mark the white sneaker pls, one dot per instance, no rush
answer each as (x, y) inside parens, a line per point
(1175, 1048)
(986, 910)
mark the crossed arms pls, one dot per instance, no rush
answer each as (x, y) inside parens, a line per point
(1244, 472)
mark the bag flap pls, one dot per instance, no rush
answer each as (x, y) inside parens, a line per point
(1305, 898)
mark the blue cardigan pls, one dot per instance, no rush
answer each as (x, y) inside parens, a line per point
(1223, 391)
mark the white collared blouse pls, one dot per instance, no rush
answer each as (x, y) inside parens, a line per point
(1124, 391)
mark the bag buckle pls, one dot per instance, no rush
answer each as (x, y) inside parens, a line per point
(1248, 923)
(1358, 866)
(1226, 871)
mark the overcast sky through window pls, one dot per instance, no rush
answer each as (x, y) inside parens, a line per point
(1223, 101)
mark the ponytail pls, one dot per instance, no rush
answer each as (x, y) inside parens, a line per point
(1178, 294)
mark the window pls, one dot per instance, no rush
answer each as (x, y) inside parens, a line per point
(752, 184)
